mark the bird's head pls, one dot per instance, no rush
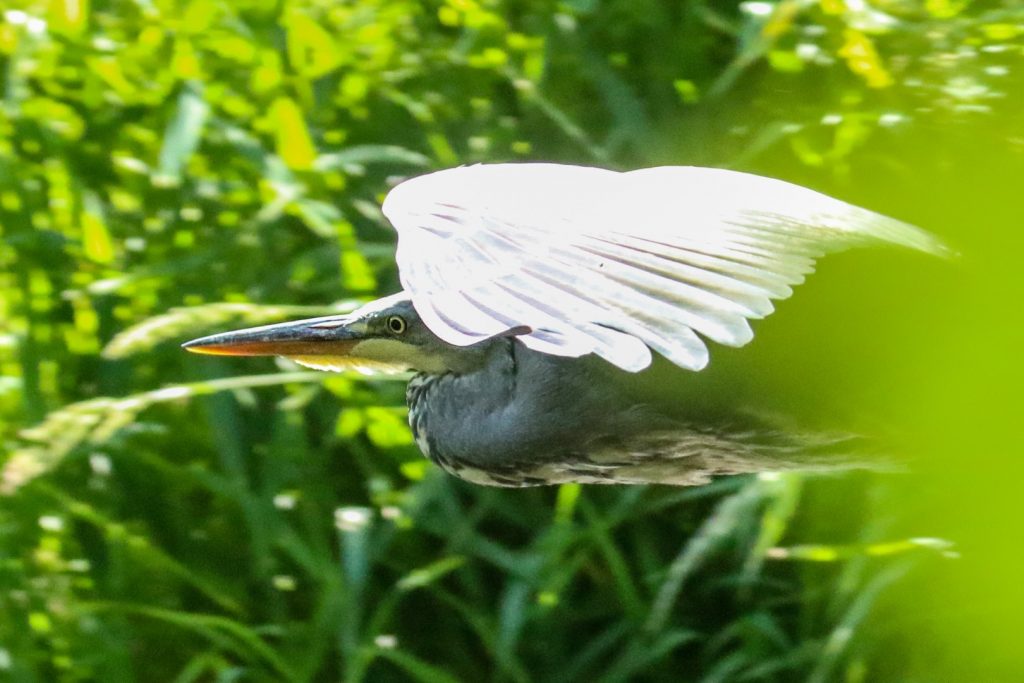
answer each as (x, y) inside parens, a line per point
(386, 335)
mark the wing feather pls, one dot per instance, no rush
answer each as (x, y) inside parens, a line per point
(579, 260)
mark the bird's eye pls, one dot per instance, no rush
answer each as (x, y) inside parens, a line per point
(396, 324)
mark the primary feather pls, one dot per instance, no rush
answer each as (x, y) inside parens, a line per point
(616, 264)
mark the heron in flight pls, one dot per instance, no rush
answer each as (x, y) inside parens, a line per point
(537, 297)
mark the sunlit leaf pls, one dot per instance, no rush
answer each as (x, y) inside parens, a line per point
(863, 59)
(687, 91)
(785, 61)
(183, 133)
(68, 16)
(356, 272)
(565, 504)
(834, 553)
(944, 9)
(387, 428)
(431, 573)
(96, 240)
(111, 72)
(293, 142)
(185, 63)
(199, 16)
(355, 157)
(311, 50)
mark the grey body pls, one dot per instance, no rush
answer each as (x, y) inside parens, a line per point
(524, 418)
(516, 410)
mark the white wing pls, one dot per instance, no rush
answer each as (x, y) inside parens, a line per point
(595, 261)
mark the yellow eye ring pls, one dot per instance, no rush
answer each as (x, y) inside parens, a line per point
(396, 324)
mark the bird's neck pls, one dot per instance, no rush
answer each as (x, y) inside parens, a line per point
(446, 410)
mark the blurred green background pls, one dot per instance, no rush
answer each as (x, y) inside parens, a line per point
(171, 168)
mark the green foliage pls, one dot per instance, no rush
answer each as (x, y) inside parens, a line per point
(170, 168)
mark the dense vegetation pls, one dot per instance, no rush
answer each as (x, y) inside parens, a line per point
(170, 168)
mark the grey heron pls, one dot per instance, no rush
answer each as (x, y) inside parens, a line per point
(535, 296)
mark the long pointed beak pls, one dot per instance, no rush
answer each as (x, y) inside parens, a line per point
(329, 336)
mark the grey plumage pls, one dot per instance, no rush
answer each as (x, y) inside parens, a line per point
(537, 297)
(498, 413)
(524, 418)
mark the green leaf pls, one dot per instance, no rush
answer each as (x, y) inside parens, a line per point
(293, 142)
(352, 159)
(386, 428)
(96, 241)
(183, 133)
(432, 572)
(785, 61)
(311, 49)
(565, 504)
(70, 17)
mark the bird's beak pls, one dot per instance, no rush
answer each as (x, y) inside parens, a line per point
(330, 336)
